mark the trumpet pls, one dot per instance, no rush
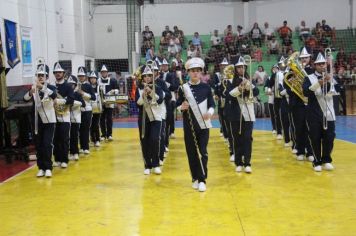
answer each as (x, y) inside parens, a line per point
(329, 59)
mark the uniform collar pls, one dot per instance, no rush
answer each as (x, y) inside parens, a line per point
(317, 74)
(190, 82)
(60, 82)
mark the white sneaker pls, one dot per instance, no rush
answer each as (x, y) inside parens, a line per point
(56, 164)
(165, 154)
(279, 137)
(76, 157)
(81, 150)
(48, 173)
(287, 144)
(161, 162)
(274, 132)
(294, 151)
(86, 152)
(110, 138)
(97, 144)
(71, 157)
(226, 140)
(40, 173)
(157, 170)
(102, 138)
(221, 134)
(64, 165)
(300, 158)
(202, 187)
(232, 158)
(173, 136)
(147, 172)
(328, 166)
(311, 158)
(317, 168)
(238, 168)
(166, 149)
(195, 184)
(248, 169)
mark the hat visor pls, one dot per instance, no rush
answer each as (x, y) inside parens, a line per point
(304, 55)
(81, 74)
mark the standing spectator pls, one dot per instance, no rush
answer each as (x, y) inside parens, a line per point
(284, 31)
(240, 35)
(147, 35)
(286, 44)
(215, 39)
(329, 32)
(256, 35)
(318, 31)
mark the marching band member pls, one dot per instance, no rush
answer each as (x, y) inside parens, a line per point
(274, 88)
(240, 110)
(87, 93)
(109, 88)
(172, 85)
(298, 109)
(97, 109)
(269, 93)
(148, 98)
(320, 88)
(196, 102)
(164, 109)
(43, 94)
(63, 101)
(218, 79)
(75, 118)
(283, 105)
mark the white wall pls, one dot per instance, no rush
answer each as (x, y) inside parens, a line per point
(336, 13)
(206, 17)
(192, 17)
(110, 45)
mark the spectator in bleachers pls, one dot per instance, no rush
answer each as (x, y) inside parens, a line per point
(286, 44)
(197, 42)
(192, 51)
(240, 36)
(245, 47)
(304, 31)
(179, 34)
(352, 59)
(147, 35)
(150, 53)
(285, 31)
(166, 31)
(215, 39)
(312, 43)
(228, 29)
(164, 42)
(318, 31)
(267, 32)
(260, 76)
(328, 31)
(274, 46)
(341, 55)
(256, 34)
(324, 42)
(174, 46)
(229, 39)
(232, 53)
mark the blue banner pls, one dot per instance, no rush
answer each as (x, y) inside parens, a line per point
(12, 49)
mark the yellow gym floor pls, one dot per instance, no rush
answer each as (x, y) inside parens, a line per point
(106, 193)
